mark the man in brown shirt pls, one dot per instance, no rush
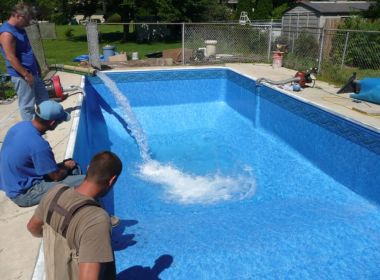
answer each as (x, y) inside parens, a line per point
(75, 229)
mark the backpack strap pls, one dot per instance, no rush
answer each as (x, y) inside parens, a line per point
(67, 214)
(54, 206)
(73, 210)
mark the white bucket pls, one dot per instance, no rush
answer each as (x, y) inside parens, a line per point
(210, 47)
(135, 56)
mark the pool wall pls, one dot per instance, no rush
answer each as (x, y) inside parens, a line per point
(344, 150)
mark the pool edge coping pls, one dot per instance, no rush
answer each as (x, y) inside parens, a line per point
(39, 269)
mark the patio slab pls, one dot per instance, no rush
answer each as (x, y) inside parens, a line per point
(19, 250)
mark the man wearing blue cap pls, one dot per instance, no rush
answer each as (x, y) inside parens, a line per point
(27, 164)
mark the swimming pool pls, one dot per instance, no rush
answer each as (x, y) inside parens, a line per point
(257, 184)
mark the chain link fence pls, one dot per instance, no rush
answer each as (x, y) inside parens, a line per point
(352, 48)
(301, 47)
(218, 43)
(331, 50)
(34, 36)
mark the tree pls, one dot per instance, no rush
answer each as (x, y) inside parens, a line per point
(279, 11)
(373, 11)
(85, 7)
(190, 10)
(245, 6)
(263, 9)
(5, 8)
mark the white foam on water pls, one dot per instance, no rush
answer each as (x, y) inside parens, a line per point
(191, 189)
(180, 186)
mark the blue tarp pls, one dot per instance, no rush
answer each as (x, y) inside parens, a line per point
(85, 57)
(369, 90)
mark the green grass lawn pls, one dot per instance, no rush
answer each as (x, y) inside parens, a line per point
(72, 41)
(70, 44)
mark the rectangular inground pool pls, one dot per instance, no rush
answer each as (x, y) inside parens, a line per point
(224, 179)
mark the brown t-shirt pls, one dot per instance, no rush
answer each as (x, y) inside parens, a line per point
(89, 230)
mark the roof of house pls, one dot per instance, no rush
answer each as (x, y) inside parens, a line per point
(336, 7)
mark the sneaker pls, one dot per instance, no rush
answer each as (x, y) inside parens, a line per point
(115, 221)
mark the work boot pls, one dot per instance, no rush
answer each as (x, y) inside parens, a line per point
(115, 221)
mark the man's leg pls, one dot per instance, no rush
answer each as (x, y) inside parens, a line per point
(26, 99)
(34, 194)
(40, 92)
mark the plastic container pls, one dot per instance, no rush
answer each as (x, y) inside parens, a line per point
(210, 47)
(277, 57)
(135, 56)
(108, 51)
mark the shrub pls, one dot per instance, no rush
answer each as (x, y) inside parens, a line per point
(6, 90)
(306, 44)
(69, 33)
(115, 18)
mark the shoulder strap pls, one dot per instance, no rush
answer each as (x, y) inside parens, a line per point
(54, 205)
(67, 214)
(73, 210)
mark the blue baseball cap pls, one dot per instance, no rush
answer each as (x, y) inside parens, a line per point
(50, 110)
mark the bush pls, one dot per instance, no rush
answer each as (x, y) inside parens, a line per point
(6, 90)
(151, 33)
(306, 44)
(115, 18)
(59, 18)
(69, 33)
(363, 48)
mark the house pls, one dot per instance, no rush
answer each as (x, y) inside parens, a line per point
(315, 14)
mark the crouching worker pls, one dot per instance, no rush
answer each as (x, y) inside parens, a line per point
(76, 231)
(27, 164)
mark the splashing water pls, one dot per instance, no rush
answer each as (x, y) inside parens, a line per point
(129, 116)
(190, 189)
(181, 187)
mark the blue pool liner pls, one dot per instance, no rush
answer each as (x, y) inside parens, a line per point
(315, 213)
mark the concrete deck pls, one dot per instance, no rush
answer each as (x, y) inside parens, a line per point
(19, 250)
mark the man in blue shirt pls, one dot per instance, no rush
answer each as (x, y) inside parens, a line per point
(27, 164)
(20, 61)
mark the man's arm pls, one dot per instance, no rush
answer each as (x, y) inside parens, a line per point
(58, 175)
(62, 171)
(89, 271)
(35, 226)
(8, 43)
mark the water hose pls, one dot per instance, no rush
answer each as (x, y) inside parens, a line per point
(85, 70)
(281, 82)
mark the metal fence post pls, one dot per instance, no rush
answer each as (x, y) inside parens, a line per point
(93, 44)
(34, 35)
(183, 43)
(344, 50)
(322, 39)
(270, 40)
(293, 43)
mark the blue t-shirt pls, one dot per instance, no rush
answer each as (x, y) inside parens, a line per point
(24, 50)
(25, 158)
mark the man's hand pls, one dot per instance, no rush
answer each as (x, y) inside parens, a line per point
(29, 78)
(63, 170)
(69, 164)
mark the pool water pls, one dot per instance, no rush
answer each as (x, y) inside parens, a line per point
(291, 211)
